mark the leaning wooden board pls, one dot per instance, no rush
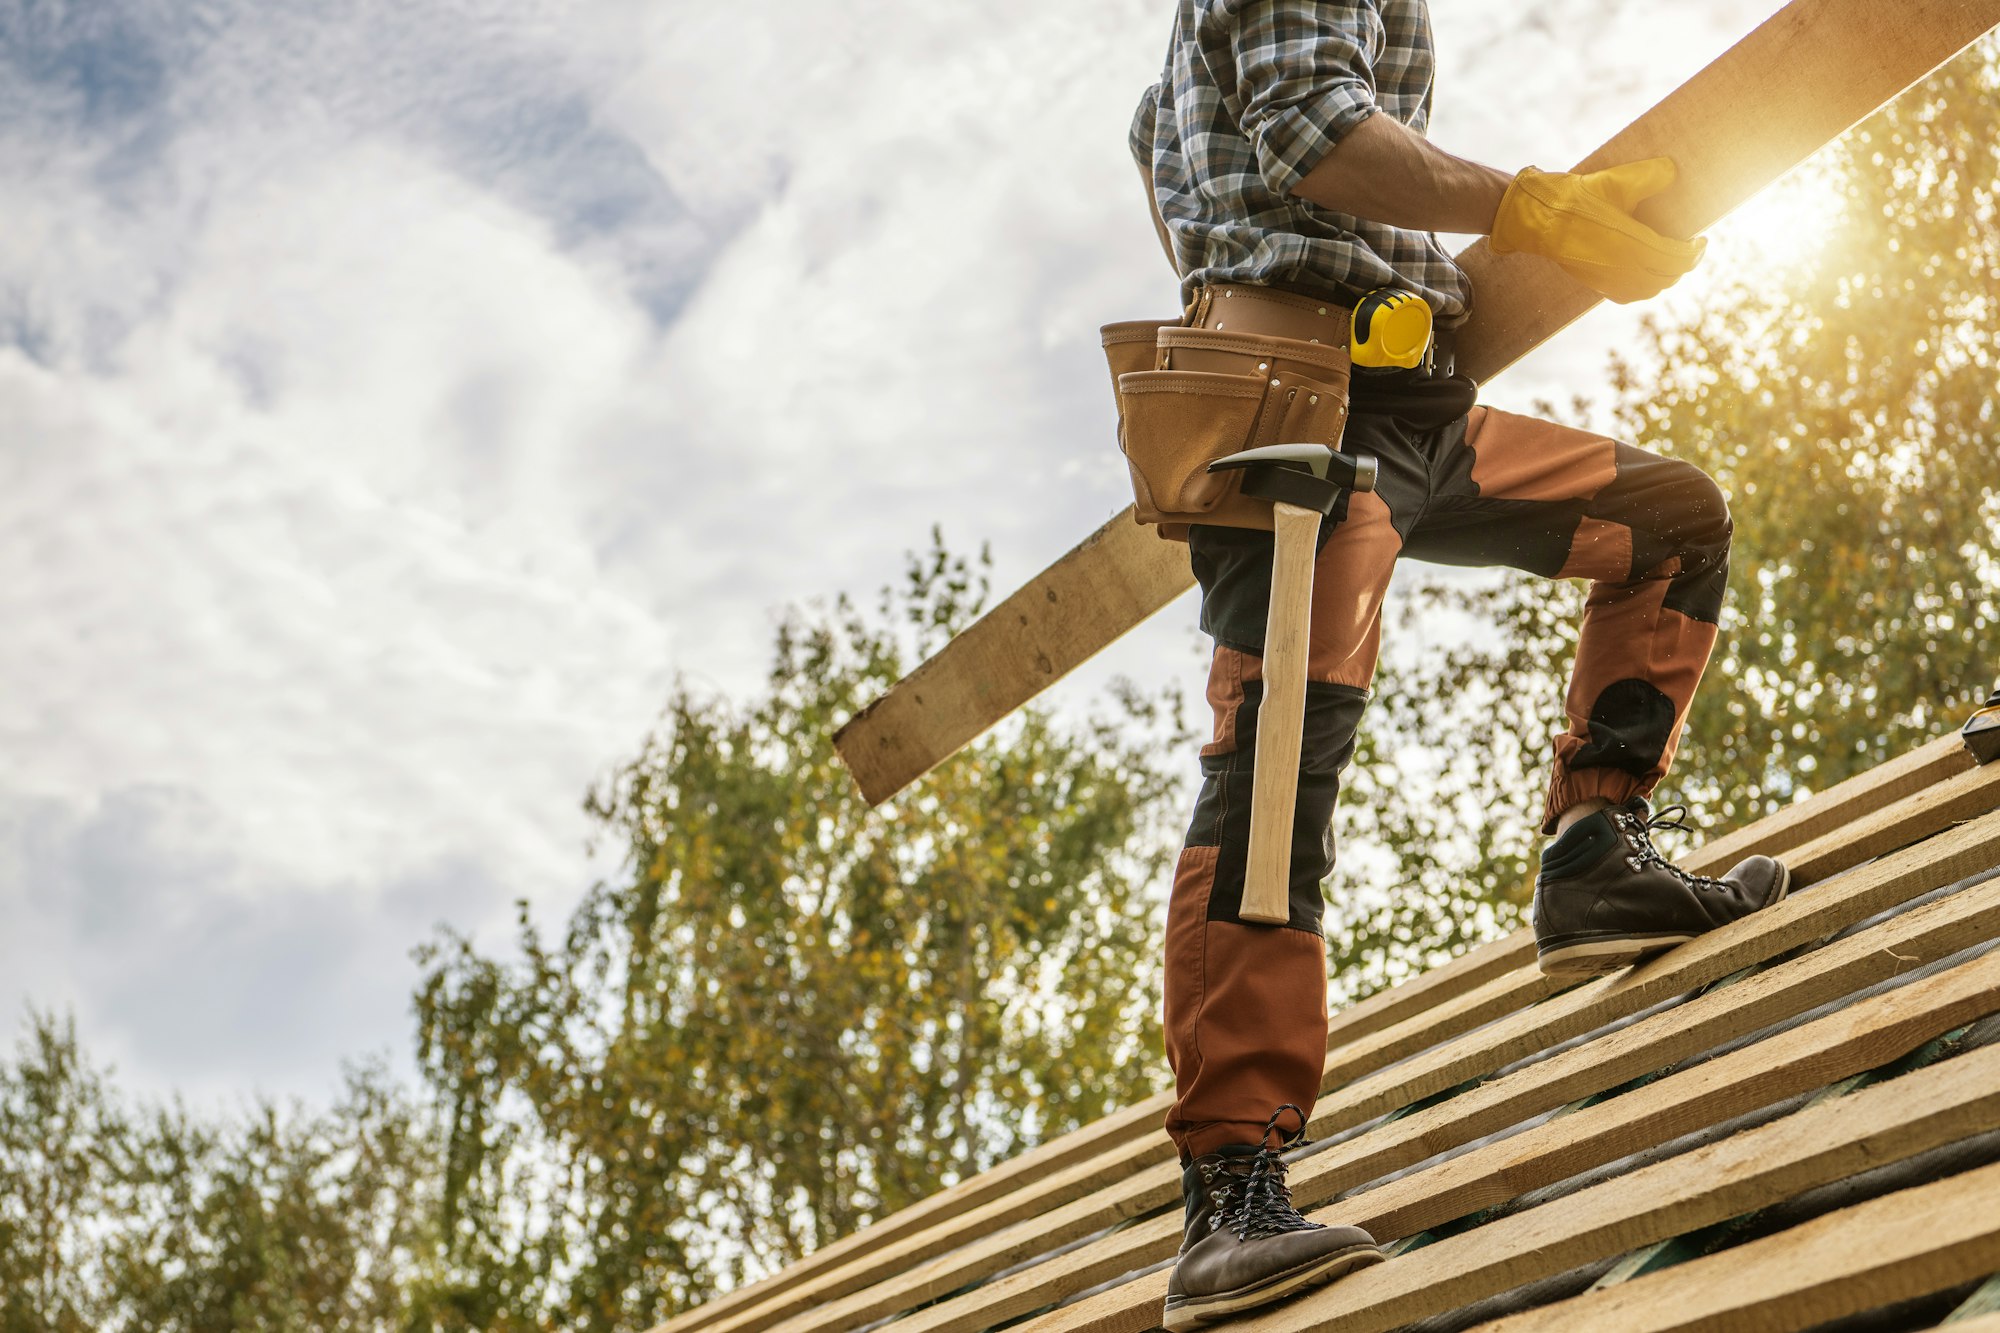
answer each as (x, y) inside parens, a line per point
(1769, 102)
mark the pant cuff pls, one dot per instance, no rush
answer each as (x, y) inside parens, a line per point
(1567, 788)
(1200, 1140)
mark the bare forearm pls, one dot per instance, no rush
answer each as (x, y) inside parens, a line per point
(1384, 172)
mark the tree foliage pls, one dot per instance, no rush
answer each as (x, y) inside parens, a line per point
(791, 1013)
(1846, 403)
(123, 1215)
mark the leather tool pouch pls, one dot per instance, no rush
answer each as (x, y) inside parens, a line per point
(1189, 396)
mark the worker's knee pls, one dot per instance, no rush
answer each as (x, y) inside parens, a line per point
(1705, 512)
(1678, 515)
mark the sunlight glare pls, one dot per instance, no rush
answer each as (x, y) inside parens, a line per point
(1781, 226)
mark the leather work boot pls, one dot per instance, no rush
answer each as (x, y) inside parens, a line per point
(1245, 1244)
(1606, 898)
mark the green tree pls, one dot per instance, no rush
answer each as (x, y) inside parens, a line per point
(1847, 405)
(790, 1013)
(66, 1152)
(116, 1215)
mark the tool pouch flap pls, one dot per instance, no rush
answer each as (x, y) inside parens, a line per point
(1190, 396)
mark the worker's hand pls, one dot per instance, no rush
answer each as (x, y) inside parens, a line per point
(1584, 222)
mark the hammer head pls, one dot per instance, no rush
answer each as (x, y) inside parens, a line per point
(1309, 475)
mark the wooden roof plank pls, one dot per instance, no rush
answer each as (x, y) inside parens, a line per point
(1839, 805)
(1901, 1246)
(1886, 1123)
(1813, 1055)
(848, 1264)
(1448, 1000)
(1097, 1193)
(1796, 922)
(1810, 1057)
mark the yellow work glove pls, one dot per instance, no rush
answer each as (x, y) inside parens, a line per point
(1584, 222)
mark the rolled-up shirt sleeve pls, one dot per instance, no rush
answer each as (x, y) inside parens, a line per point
(1304, 76)
(1140, 138)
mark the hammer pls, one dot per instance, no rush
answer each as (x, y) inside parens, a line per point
(1303, 483)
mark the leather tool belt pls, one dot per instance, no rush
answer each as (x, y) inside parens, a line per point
(1245, 366)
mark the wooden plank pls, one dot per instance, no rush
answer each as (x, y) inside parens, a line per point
(1793, 85)
(1046, 1177)
(1117, 576)
(1803, 78)
(1966, 795)
(1888, 1122)
(1839, 805)
(1895, 1248)
(1830, 1048)
(1109, 1188)
(930, 1229)
(1848, 965)
(1814, 1055)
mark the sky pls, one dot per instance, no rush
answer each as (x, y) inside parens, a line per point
(398, 398)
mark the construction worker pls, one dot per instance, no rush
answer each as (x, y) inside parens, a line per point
(1284, 153)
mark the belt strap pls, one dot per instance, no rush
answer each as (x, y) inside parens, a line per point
(1247, 308)
(1272, 313)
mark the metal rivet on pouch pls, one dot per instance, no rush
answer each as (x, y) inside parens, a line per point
(1322, 311)
(1263, 365)
(1313, 399)
(1274, 384)
(1227, 293)
(1312, 340)
(1218, 323)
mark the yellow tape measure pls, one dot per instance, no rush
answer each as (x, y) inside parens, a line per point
(1391, 327)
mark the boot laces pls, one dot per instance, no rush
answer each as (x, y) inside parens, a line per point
(1257, 1203)
(1638, 836)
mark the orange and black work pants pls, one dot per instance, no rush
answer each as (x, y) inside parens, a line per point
(1462, 485)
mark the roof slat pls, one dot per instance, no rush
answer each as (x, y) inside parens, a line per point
(1903, 1245)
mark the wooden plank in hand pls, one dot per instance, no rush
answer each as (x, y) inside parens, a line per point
(1117, 576)
(1793, 85)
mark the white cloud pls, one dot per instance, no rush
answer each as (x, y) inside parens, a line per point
(392, 400)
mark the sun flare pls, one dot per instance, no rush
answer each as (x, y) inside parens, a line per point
(1781, 226)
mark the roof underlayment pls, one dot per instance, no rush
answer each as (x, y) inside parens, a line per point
(1790, 1123)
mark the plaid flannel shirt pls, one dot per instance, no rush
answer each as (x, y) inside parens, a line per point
(1254, 93)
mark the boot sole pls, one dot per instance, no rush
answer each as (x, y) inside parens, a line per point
(1595, 957)
(1193, 1312)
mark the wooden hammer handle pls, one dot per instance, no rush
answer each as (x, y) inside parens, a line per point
(1281, 716)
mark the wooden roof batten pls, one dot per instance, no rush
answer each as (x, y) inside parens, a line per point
(1496, 1089)
(1503, 1133)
